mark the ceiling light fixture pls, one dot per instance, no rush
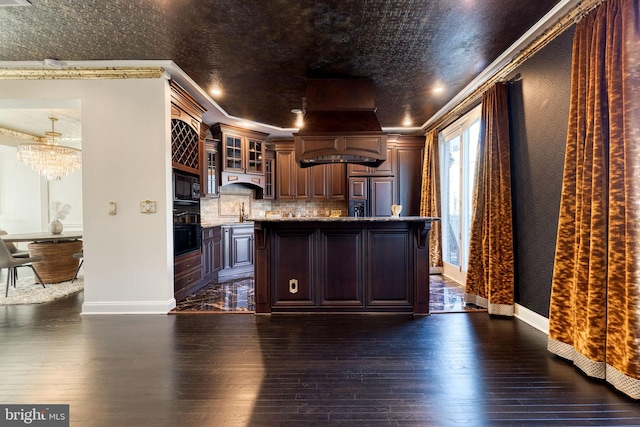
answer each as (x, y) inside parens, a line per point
(300, 113)
(49, 159)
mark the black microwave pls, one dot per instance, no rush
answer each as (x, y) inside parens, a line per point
(186, 187)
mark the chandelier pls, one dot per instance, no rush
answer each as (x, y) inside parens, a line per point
(49, 159)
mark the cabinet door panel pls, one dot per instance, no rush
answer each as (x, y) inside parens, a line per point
(343, 284)
(303, 190)
(255, 157)
(318, 182)
(337, 181)
(241, 246)
(293, 273)
(285, 175)
(382, 196)
(217, 249)
(233, 153)
(358, 188)
(389, 286)
(409, 179)
(242, 251)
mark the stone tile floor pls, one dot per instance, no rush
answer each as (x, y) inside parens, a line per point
(446, 296)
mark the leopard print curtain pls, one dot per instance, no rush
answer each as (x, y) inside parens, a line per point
(490, 275)
(430, 200)
(594, 318)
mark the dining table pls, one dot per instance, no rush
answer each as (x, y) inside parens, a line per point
(56, 251)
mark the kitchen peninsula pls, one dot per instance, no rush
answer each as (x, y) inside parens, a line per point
(343, 264)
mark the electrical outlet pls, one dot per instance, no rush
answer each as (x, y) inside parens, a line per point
(112, 208)
(147, 206)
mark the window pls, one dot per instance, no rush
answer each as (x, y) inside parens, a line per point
(458, 152)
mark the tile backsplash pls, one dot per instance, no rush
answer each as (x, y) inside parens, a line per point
(228, 207)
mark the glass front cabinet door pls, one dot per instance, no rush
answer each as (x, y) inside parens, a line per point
(243, 155)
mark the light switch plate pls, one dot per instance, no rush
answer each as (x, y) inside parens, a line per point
(112, 208)
(147, 206)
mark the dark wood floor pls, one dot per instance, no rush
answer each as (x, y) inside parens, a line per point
(462, 369)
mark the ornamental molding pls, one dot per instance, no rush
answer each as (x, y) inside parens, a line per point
(81, 73)
(22, 135)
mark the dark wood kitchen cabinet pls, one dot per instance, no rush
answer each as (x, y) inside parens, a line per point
(398, 182)
(211, 252)
(210, 170)
(237, 250)
(243, 150)
(269, 190)
(387, 168)
(187, 272)
(316, 182)
(186, 118)
(378, 191)
(409, 159)
(328, 181)
(292, 182)
(342, 265)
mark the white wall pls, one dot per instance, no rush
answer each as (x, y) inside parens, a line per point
(20, 194)
(126, 158)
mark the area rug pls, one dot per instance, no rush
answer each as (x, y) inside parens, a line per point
(27, 292)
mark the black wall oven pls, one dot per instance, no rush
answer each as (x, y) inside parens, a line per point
(186, 238)
(187, 232)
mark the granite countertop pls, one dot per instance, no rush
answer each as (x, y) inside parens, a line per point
(221, 223)
(348, 219)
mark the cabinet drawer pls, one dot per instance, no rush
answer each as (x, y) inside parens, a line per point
(207, 233)
(183, 281)
(188, 262)
(211, 233)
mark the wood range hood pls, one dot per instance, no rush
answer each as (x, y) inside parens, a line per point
(340, 124)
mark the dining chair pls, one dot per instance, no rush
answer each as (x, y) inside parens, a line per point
(80, 256)
(11, 264)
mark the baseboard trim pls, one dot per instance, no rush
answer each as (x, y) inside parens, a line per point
(128, 307)
(532, 318)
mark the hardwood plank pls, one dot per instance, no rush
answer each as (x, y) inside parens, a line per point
(313, 369)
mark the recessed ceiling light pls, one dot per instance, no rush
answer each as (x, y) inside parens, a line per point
(438, 89)
(407, 121)
(216, 91)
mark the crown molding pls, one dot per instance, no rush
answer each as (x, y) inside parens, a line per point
(562, 17)
(82, 73)
(21, 135)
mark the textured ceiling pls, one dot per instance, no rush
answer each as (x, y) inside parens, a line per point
(261, 51)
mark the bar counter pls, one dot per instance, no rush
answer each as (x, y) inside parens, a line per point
(342, 264)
